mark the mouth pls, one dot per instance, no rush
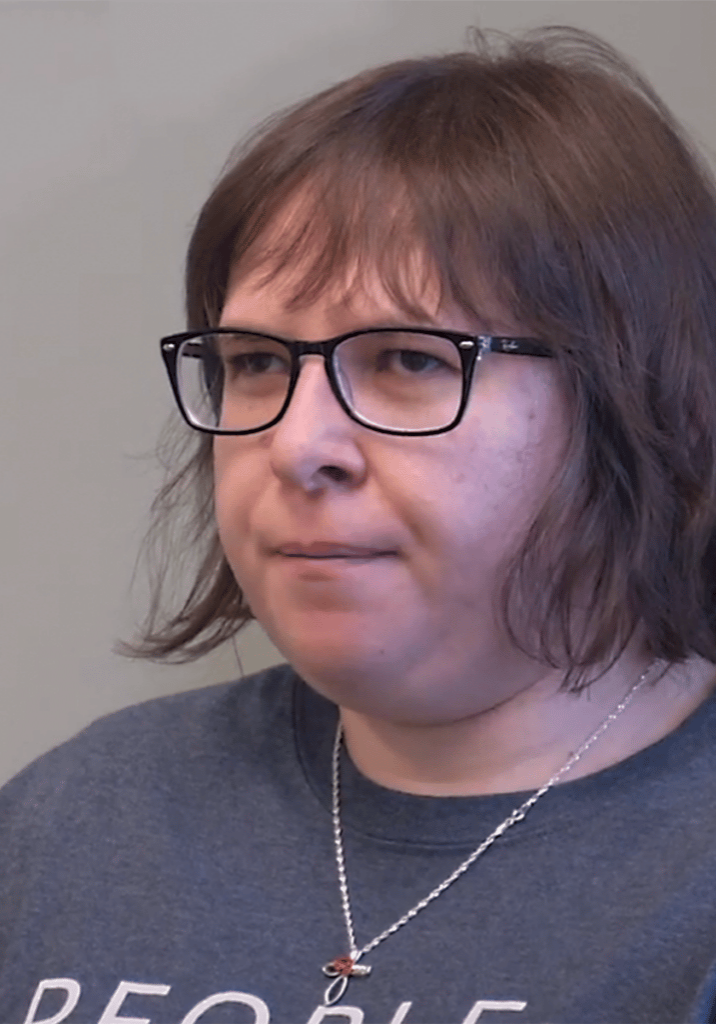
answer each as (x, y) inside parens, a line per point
(346, 558)
(330, 549)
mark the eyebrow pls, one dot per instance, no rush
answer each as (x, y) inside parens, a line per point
(384, 323)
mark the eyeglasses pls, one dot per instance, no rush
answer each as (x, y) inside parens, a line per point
(406, 380)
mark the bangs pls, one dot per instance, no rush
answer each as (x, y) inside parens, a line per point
(329, 236)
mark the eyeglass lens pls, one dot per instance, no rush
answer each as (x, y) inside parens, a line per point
(397, 379)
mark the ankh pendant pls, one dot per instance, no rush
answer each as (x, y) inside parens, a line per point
(341, 970)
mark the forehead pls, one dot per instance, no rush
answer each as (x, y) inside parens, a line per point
(268, 297)
(342, 302)
(352, 267)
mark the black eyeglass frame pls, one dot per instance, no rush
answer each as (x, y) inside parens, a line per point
(471, 348)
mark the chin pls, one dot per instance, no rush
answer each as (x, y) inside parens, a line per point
(334, 649)
(373, 695)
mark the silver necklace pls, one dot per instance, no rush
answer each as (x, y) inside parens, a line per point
(342, 968)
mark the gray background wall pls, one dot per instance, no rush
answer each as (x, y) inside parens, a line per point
(115, 119)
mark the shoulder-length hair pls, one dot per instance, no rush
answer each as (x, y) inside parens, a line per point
(546, 172)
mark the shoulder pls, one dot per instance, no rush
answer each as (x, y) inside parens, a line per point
(193, 734)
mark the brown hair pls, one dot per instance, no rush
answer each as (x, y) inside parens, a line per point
(546, 170)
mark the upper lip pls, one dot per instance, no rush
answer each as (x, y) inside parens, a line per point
(331, 548)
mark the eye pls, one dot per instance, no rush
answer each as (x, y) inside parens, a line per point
(400, 357)
(411, 359)
(254, 363)
(248, 356)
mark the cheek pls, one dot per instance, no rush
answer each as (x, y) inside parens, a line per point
(501, 478)
(232, 497)
(222, 488)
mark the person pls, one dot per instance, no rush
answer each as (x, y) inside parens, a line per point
(449, 376)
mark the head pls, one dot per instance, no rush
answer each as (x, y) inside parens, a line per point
(539, 189)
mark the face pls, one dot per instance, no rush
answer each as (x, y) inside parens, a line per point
(412, 636)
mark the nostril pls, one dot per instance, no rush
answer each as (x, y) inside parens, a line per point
(335, 473)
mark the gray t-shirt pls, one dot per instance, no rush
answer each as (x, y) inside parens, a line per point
(174, 864)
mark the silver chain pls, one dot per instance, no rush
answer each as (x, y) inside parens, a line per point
(517, 815)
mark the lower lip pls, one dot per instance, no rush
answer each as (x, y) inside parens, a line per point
(335, 559)
(305, 567)
(327, 583)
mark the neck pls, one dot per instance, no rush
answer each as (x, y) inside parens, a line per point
(520, 744)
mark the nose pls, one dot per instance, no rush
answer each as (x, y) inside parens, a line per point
(315, 435)
(313, 398)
